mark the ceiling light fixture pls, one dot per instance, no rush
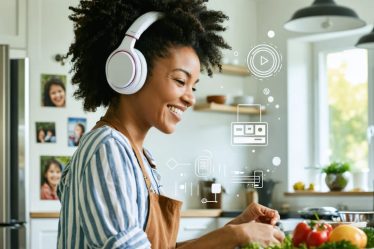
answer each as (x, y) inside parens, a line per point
(367, 41)
(324, 16)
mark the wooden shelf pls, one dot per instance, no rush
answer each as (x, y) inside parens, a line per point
(331, 193)
(213, 107)
(44, 215)
(235, 70)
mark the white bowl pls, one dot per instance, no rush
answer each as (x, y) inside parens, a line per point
(243, 100)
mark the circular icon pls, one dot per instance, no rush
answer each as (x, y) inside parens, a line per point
(204, 200)
(276, 161)
(270, 99)
(271, 34)
(266, 91)
(264, 61)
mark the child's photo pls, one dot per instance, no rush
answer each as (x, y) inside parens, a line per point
(76, 129)
(53, 89)
(50, 174)
(45, 132)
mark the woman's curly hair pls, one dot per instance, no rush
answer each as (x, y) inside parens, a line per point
(100, 26)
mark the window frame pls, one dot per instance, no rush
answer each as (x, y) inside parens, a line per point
(320, 113)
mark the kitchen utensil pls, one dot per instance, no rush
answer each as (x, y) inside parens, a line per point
(219, 99)
(356, 216)
(324, 213)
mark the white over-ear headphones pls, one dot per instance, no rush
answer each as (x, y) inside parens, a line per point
(126, 67)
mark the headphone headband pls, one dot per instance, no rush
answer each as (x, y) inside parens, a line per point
(142, 23)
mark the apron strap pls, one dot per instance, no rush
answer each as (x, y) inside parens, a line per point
(114, 123)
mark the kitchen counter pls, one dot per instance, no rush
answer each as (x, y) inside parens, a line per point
(184, 214)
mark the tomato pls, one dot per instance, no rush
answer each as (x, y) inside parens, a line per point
(323, 227)
(300, 233)
(316, 238)
(350, 233)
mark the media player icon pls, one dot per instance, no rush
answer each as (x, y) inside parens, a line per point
(249, 133)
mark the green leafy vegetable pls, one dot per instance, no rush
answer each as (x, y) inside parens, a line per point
(287, 244)
(370, 234)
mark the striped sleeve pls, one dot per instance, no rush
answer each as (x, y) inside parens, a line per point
(107, 200)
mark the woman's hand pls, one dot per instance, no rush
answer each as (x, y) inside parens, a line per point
(260, 233)
(259, 213)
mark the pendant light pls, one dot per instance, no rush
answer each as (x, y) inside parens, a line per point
(367, 41)
(324, 16)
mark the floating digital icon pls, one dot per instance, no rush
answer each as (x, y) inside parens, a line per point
(203, 165)
(256, 180)
(172, 164)
(216, 188)
(249, 133)
(264, 61)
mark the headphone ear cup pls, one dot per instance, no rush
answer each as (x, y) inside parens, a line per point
(120, 70)
(141, 71)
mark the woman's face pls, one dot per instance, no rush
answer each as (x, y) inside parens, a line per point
(78, 131)
(53, 175)
(41, 135)
(168, 91)
(57, 95)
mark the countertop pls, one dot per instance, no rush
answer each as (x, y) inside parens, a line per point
(190, 213)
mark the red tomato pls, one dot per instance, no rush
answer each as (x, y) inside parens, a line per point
(323, 227)
(300, 234)
(317, 238)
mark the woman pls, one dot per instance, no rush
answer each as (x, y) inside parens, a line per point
(78, 134)
(52, 175)
(110, 192)
(54, 93)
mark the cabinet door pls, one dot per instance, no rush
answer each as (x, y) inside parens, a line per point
(44, 233)
(13, 23)
(192, 228)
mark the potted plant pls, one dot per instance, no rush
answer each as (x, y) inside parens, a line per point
(336, 175)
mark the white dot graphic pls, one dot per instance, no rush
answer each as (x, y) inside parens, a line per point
(237, 195)
(271, 34)
(253, 151)
(266, 91)
(270, 99)
(268, 170)
(279, 118)
(277, 106)
(276, 161)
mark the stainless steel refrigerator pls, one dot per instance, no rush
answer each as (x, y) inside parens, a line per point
(13, 150)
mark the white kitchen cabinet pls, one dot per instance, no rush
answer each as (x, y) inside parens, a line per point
(44, 233)
(13, 23)
(192, 228)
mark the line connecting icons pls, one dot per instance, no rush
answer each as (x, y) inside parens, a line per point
(256, 179)
(249, 133)
(216, 189)
(264, 61)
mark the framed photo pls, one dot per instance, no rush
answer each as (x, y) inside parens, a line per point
(45, 132)
(76, 129)
(53, 90)
(51, 168)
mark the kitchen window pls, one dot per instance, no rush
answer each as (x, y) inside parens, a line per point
(342, 107)
(347, 108)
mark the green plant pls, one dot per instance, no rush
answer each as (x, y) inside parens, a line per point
(336, 168)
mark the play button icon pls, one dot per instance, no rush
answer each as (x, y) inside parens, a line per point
(264, 60)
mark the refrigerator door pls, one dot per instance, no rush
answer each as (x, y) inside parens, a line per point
(12, 237)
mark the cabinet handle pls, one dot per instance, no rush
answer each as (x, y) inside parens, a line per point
(195, 228)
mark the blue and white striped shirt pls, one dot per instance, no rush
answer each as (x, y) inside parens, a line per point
(103, 194)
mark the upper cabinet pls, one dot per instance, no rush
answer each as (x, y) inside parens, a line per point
(13, 23)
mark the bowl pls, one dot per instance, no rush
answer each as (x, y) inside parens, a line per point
(243, 99)
(219, 99)
(356, 216)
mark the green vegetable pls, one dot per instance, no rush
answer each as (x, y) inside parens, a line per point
(336, 168)
(287, 244)
(370, 234)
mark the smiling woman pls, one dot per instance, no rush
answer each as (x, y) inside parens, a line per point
(142, 60)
